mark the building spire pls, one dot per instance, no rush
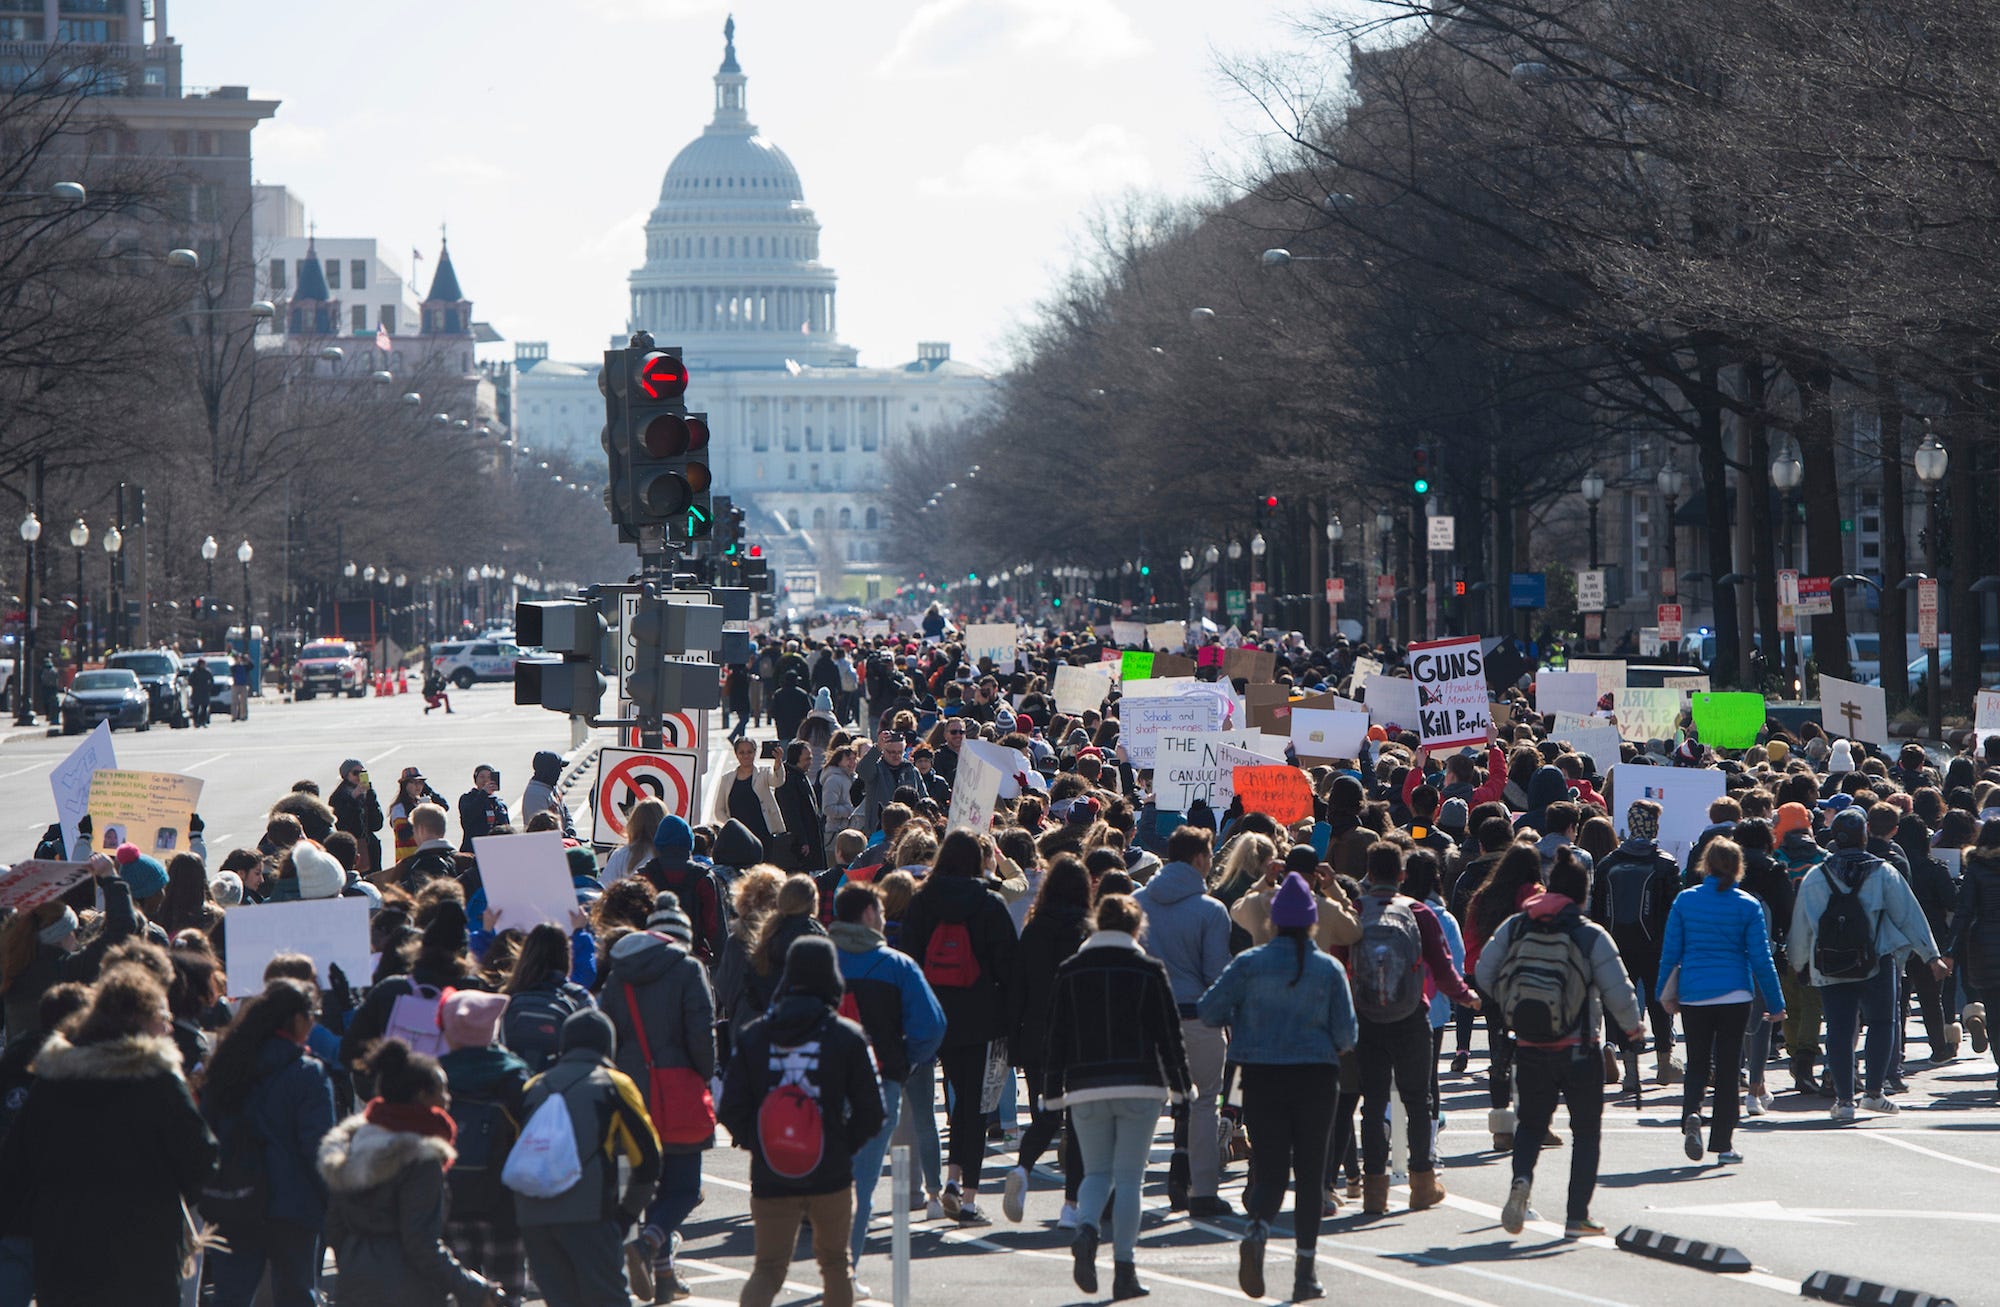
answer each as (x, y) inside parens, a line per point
(731, 113)
(729, 46)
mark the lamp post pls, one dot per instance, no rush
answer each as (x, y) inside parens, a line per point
(1931, 459)
(24, 667)
(79, 536)
(1592, 490)
(244, 553)
(1385, 521)
(114, 540)
(209, 549)
(1787, 472)
(1335, 534)
(1673, 484)
(1235, 554)
(1257, 548)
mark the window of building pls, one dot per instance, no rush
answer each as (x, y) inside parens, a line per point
(819, 519)
(846, 519)
(760, 247)
(812, 474)
(389, 318)
(868, 437)
(96, 31)
(357, 274)
(333, 274)
(812, 441)
(207, 202)
(836, 439)
(791, 439)
(359, 317)
(791, 474)
(760, 440)
(872, 521)
(278, 279)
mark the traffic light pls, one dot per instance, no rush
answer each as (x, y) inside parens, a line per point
(1458, 589)
(1420, 476)
(658, 450)
(661, 630)
(565, 677)
(1266, 505)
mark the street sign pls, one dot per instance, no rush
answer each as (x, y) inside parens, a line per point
(1237, 603)
(1590, 590)
(1593, 626)
(1670, 624)
(625, 776)
(1385, 588)
(1209, 600)
(1527, 589)
(1443, 532)
(1927, 610)
(1257, 587)
(1788, 601)
(1815, 596)
(1336, 591)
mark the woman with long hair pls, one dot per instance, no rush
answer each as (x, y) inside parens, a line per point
(439, 962)
(1252, 862)
(187, 905)
(755, 898)
(641, 824)
(270, 1102)
(1057, 925)
(1716, 956)
(1515, 878)
(540, 997)
(791, 915)
(1290, 1019)
(961, 934)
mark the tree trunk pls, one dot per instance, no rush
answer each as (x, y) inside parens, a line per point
(1895, 659)
(1755, 488)
(1713, 463)
(1958, 550)
(1814, 379)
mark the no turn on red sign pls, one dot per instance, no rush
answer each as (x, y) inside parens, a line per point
(626, 776)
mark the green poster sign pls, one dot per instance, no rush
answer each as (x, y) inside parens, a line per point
(1727, 720)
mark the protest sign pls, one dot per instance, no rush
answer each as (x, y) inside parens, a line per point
(1365, 670)
(1392, 700)
(1565, 692)
(1728, 720)
(332, 932)
(1010, 763)
(1986, 710)
(1166, 637)
(1450, 676)
(1595, 736)
(146, 808)
(1686, 684)
(1281, 793)
(1081, 689)
(1648, 714)
(1953, 860)
(1323, 734)
(1193, 766)
(1683, 794)
(1166, 664)
(27, 885)
(973, 794)
(1135, 665)
(1269, 708)
(71, 780)
(1610, 674)
(527, 878)
(1129, 634)
(1143, 721)
(1161, 688)
(1858, 712)
(994, 640)
(1251, 666)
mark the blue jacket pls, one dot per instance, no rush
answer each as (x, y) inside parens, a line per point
(1275, 1022)
(1187, 928)
(866, 956)
(290, 1107)
(1454, 940)
(1721, 941)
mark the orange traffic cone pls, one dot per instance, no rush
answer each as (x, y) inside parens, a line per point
(402, 680)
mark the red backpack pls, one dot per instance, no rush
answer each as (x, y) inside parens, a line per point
(790, 1132)
(949, 962)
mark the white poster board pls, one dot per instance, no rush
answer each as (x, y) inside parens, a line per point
(1565, 692)
(1691, 684)
(527, 878)
(1683, 794)
(1328, 733)
(1082, 689)
(1986, 711)
(1128, 635)
(973, 794)
(1450, 676)
(1392, 700)
(71, 780)
(1595, 736)
(1854, 711)
(994, 640)
(332, 932)
(1143, 721)
(1610, 673)
(1649, 714)
(1009, 763)
(1365, 670)
(1166, 637)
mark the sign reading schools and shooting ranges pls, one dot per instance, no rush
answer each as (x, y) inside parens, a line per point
(1451, 692)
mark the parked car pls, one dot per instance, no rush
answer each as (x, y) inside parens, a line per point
(218, 666)
(467, 662)
(112, 695)
(1920, 670)
(330, 667)
(165, 681)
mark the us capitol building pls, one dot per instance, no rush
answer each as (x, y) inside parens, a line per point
(733, 276)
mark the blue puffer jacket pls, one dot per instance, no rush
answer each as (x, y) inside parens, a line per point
(1273, 1021)
(291, 1108)
(1720, 939)
(1187, 928)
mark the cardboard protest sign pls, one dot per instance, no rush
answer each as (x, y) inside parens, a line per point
(1135, 665)
(1190, 767)
(1166, 664)
(1686, 684)
(332, 932)
(1683, 794)
(1392, 700)
(1281, 793)
(27, 885)
(994, 640)
(1081, 689)
(1610, 674)
(1985, 710)
(1595, 736)
(71, 780)
(1648, 714)
(1129, 634)
(527, 878)
(1251, 666)
(973, 794)
(1728, 720)
(1010, 763)
(1365, 670)
(1160, 688)
(146, 808)
(1566, 692)
(1450, 676)
(1269, 708)
(1858, 712)
(1324, 734)
(1143, 721)
(1166, 637)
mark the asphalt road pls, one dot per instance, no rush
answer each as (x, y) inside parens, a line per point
(1911, 1201)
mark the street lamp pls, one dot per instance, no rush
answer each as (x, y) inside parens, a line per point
(243, 555)
(79, 536)
(1673, 484)
(114, 540)
(209, 549)
(1592, 491)
(24, 668)
(1931, 459)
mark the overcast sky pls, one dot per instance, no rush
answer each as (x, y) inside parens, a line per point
(948, 147)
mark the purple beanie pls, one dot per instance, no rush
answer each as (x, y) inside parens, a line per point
(1293, 906)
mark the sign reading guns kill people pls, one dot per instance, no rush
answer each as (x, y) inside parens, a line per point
(1451, 692)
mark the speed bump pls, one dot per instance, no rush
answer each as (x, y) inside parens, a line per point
(1830, 1286)
(1686, 1252)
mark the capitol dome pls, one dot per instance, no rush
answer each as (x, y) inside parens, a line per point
(732, 271)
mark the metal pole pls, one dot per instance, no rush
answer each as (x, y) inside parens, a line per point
(899, 1236)
(1931, 662)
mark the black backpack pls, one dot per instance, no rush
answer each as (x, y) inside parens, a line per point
(485, 1136)
(531, 1028)
(1844, 943)
(236, 1194)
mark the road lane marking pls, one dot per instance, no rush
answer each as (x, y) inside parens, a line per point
(1889, 1138)
(380, 756)
(204, 762)
(48, 762)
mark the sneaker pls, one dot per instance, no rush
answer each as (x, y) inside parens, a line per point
(1975, 1026)
(1729, 1157)
(1842, 1112)
(1691, 1136)
(951, 1201)
(969, 1214)
(862, 1293)
(1066, 1219)
(639, 1264)
(1753, 1105)
(1013, 1202)
(1879, 1103)
(1209, 1208)
(1515, 1214)
(1459, 1063)
(1250, 1260)
(1584, 1229)
(1895, 1085)
(1763, 1096)
(934, 1209)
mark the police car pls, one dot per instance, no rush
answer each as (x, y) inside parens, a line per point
(466, 662)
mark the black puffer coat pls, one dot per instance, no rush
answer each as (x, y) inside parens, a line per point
(1976, 921)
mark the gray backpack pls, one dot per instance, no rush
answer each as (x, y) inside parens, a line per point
(1386, 968)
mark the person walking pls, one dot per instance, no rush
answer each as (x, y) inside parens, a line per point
(201, 691)
(1187, 929)
(488, 1085)
(1854, 921)
(1631, 894)
(1976, 931)
(1291, 1020)
(1057, 925)
(1515, 878)
(803, 1097)
(803, 843)
(748, 795)
(269, 1102)
(1113, 1059)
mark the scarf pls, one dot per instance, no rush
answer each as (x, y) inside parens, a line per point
(412, 1119)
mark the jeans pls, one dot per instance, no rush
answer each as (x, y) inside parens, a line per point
(1918, 982)
(1500, 1054)
(776, 1223)
(1289, 1113)
(868, 1172)
(1847, 1004)
(1116, 1137)
(1396, 1051)
(1757, 1043)
(1575, 1076)
(965, 1076)
(579, 1264)
(291, 1249)
(1207, 1052)
(679, 1191)
(1714, 1044)
(920, 1117)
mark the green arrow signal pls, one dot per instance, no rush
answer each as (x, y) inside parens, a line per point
(699, 521)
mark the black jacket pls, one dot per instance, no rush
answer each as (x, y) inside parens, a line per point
(1113, 1024)
(478, 813)
(1049, 939)
(801, 841)
(1767, 881)
(360, 817)
(1976, 920)
(978, 1013)
(1632, 894)
(789, 707)
(830, 1055)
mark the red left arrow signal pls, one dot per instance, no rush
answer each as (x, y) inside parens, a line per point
(661, 376)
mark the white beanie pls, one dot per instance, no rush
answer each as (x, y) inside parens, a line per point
(226, 888)
(1842, 759)
(320, 874)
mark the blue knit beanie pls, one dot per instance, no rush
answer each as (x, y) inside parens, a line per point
(673, 833)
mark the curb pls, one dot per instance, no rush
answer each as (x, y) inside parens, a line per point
(1686, 1252)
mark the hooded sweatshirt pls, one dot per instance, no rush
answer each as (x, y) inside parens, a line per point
(1548, 785)
(891, 1000)
(1187, 928)
(804, 1043)
(540, 795)
(670, 989)
(1610, 989)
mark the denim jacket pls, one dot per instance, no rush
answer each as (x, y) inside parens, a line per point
(1275, 1022)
